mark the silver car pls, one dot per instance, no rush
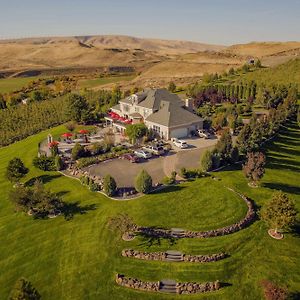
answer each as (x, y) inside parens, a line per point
(143, 153)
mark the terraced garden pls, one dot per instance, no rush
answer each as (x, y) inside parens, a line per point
(77, 257)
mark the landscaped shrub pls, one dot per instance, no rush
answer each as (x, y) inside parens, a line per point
(191, 173)
(143, 182)
(44, 163)
(94, 186)
(78, 151)
(109, 185)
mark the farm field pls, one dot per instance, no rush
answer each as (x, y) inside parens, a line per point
(77, 257)
(11, 84)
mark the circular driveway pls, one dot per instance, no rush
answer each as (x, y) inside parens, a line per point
(125, 172)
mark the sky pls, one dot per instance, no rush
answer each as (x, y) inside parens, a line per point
(212, 21)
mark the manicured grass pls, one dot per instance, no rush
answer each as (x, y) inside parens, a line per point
(12, 84)
(77, 259)
(91, 83)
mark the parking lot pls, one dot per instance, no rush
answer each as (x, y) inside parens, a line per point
(124, 171)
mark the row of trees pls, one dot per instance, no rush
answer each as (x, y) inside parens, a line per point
(21, 121)
(268, 96)
(143, 184)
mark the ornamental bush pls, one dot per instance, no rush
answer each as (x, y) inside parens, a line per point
(44, 163)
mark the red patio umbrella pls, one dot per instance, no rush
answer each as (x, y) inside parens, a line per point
(83, 131)
(53, 144)
(67, 134)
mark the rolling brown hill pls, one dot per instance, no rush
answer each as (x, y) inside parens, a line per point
(90, 51)
(155, 60)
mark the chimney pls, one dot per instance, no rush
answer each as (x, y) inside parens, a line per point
(189, 104)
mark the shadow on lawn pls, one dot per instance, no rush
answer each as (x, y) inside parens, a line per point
(286, 188)
(294, 296)
(70, 209)
(169, 189)
(155, 240)
(43, 178)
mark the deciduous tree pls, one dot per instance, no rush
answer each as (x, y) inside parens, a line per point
(254, 167)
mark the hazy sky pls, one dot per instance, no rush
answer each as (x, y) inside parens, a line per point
(210, 21)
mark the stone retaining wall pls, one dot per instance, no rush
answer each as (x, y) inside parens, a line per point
(181, 288)
(162, 256)
(144, 255)
(193, 287)
(247, 220)
(137, 284)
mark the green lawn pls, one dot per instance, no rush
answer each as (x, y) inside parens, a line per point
(91, 83)
(77, 259)
(12, 84)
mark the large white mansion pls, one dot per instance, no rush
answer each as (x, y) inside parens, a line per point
(164, 112)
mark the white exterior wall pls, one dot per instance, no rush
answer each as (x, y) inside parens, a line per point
(133, 108)
(163, 132)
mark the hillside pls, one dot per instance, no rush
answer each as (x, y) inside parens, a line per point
(156, 61)
(90, 51)
(286, 73)
(270, 53)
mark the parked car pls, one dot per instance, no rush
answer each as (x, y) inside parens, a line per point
(142, 153)
(131, 157)
(203, 133)
(179, 143)
(156, 150)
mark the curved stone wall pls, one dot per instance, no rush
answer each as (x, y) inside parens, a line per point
(246, 221)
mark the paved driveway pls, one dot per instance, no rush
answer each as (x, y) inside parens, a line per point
(124, 171)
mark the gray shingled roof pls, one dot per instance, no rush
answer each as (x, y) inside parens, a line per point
(171, 115)
(168, 107)
(152, 98)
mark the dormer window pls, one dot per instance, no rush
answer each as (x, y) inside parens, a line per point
(134, 99)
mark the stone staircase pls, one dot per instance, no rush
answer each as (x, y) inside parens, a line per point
(175, 256)
(177, 232)
(167, 286)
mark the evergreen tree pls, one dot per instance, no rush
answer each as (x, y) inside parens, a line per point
(224, 145)
(143, 182)
(109, 185)
(15, 170)
(207, 161)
